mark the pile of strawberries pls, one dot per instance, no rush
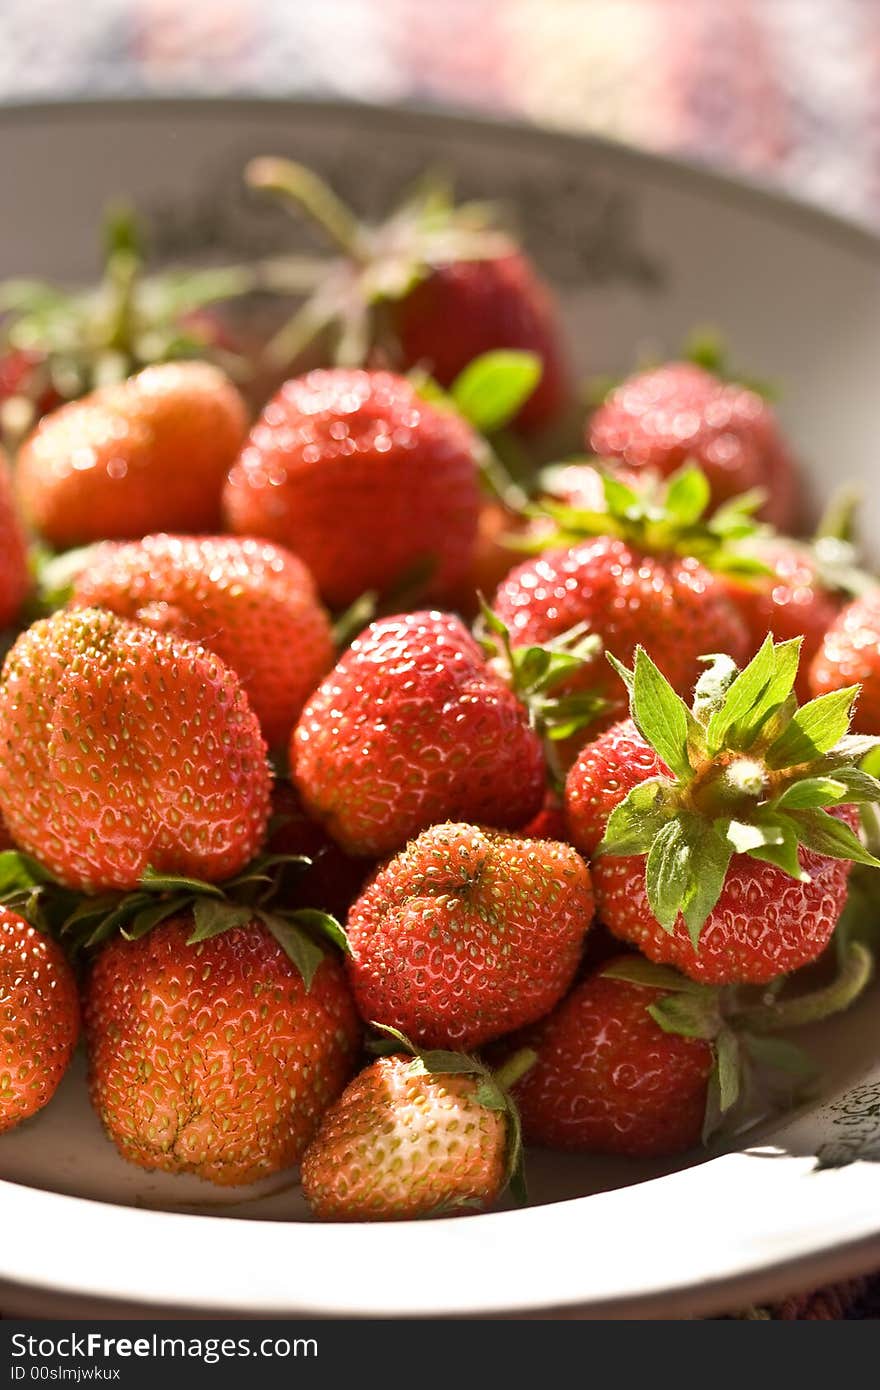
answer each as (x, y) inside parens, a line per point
(372, 810)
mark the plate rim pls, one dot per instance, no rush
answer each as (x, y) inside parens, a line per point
(696, 1294)
(858, 237)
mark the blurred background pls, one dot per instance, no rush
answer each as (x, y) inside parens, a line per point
(786, 92)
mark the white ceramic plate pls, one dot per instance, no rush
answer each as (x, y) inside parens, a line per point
(641, 250)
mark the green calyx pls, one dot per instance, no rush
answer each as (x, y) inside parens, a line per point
(493, 1088)
(81, 339)
(750, 772)
(373, 265)
(541, 675)
(84, 921)
(752, 1066)
(662, 516)
(488, 394)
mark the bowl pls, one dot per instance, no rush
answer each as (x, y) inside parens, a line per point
(640, 249)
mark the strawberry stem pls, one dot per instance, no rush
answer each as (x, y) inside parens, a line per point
(515, 1068)
(855, 972)
(838, 521)
(308, 193)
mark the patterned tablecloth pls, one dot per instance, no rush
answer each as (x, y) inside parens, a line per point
(783, 91)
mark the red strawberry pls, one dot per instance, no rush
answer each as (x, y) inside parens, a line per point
(610, 1079)
(14, 574)
(658, 419)
(850, 652)
(433, 286)
(39, 1019)
(641, 1061)
(467, 934)
(403, 1142)
(214, 1058)
(413, 727)
(128, 748)
(746, 870)
(250, 602)
(361, 478)
(333, 879)
(492, 558)
(25, 391)
(148, 454)
(626, 596)
(466, 308)
(549, 823)
(790, 601)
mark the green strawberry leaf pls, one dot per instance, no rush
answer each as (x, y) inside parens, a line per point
(636, 970)
(323, 923)
(635, 821)
(815, 729)
(688, 495)
(756, 693)
(296, 944)
(621, 500)
(863, 748)
(849, 785)
(667, 873)
(144, 921)
(389, 1040)
(491, 389)
(565, 715)
(156, 882)
(125, 909)
(783, 853)
(709, 860)
(861, 788)
(727, 1061)
(825, 834)
(19, 870)
(440, 1062)
(686, 1015)
(490, 1096)
(212, 917)
(661, 716)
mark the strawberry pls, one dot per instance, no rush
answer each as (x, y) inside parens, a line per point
(744, 809)
(415, 1136)
(39, 1018)
(610, 1079)
(434, 286)
(215, 1056)
(58, 344)
(465, 308)
(642, 1062)
(468, 934)
(792, 600)
(550, 822)
(660, 418)
(148, 453)
(363, 479)
(251, 603)
(333, 879)
(127, 749)
(639, 580)
(413, 727)
(492, 558)
(14, 573)
(850, 652)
